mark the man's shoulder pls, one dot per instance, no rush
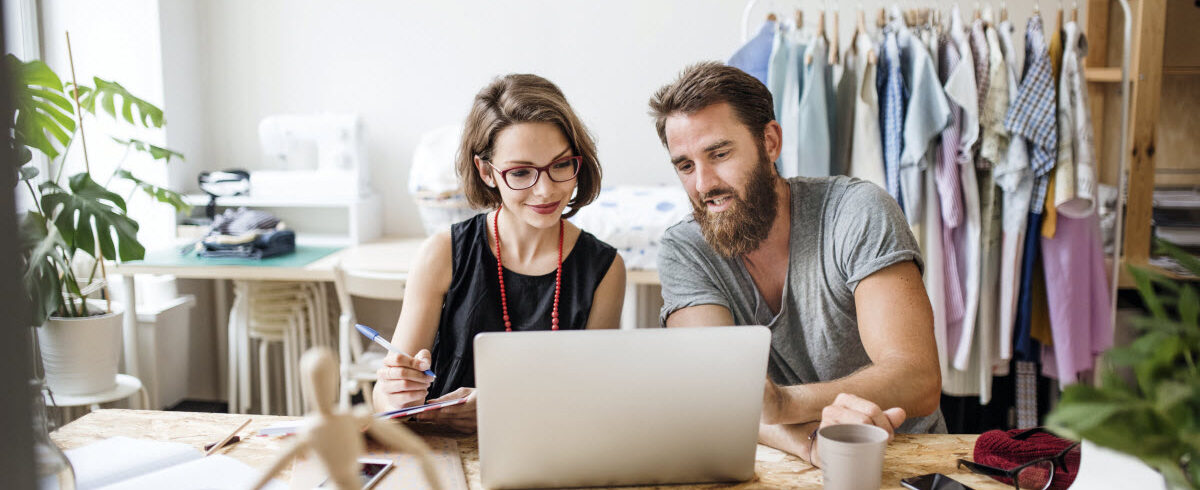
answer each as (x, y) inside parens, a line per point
(686, 230)
(832, 193)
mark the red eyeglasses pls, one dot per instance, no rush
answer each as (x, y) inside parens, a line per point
(526, 176)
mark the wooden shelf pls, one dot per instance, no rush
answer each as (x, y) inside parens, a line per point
(1103, 75)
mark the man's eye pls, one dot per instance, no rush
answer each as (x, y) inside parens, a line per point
(684, 168)
(721, 155)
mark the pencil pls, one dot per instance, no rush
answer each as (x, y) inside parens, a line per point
(222, 442)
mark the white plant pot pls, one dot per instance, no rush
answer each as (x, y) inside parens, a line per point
(1102, 468)
(80, 355)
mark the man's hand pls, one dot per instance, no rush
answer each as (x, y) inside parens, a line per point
(402, 381)
(850, 409)
(458, 417)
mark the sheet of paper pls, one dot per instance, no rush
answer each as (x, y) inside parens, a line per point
(119, 458)
(217, 471)
(406, 474)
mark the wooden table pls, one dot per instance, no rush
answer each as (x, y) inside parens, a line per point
(908, 455)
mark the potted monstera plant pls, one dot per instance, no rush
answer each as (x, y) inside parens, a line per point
(77, 219)
(1152, 411)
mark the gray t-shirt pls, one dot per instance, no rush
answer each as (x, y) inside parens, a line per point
(842, 231)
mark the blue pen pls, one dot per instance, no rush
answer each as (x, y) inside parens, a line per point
(370, 333)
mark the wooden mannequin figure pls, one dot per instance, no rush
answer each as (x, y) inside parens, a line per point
(336, 436)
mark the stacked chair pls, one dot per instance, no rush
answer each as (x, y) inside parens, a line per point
(291, 315)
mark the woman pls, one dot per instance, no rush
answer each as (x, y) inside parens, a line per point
(526, 155)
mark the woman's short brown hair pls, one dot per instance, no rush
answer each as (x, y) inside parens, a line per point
(708, 83)
(514, 99)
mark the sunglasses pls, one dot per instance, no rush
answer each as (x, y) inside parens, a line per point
(1037, 474)
(526, 176)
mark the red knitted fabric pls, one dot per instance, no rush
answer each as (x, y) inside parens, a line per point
(998, 449)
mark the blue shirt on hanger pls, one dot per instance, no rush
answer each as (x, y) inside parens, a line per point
(755, 56)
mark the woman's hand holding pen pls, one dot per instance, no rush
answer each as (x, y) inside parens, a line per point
(402, 380)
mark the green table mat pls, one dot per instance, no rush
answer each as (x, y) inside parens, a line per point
(303, 256)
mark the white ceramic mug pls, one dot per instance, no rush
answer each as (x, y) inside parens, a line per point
(851, 455)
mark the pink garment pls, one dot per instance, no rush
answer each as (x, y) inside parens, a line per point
(1077, 292)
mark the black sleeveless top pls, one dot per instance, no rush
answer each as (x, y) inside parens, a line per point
(472, 304)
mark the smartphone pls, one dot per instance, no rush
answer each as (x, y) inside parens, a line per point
(933, 481)
(370, 472)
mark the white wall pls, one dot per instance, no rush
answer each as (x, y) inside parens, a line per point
(408, 67)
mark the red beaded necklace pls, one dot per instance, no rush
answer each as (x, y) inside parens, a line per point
(500, 274)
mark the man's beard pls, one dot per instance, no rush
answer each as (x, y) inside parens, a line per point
(741, 227)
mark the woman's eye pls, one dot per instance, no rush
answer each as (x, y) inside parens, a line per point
(519, 173)
(562, 165)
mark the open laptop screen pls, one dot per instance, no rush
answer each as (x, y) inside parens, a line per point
(619, 407)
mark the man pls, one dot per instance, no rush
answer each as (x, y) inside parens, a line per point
(828, 264)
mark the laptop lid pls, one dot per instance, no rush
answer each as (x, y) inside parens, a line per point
(619, 407)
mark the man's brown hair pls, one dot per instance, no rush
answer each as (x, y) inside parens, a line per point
(514, 99)
(708, 83)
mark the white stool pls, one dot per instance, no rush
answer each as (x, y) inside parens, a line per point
(126, 387)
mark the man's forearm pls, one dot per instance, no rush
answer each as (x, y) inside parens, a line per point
(789, 438)
(912, 389)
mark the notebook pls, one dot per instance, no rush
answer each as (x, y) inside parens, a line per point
(123, 463)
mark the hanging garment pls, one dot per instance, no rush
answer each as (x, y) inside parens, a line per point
(1075, 172)
(788, 164)
(979, 52)
(987, 321)
(777, 69)
(845, 101)
(754, 56)
(949, 190)
(1076, 280)
(961, 91)
(926, 115)
(1031, 116)
(892, 103)
(1077, 288)
(1050, 214)
(866, 150)
(816, 143)
(993, 135)
(1032, 113)
(1015, 179)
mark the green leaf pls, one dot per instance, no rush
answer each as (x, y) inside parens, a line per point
(148, 115)
(156, 152)
(29, 172)
(44, 251)
(1188, 305)
(161, 194)
(44, 115)
(23, 155)
(1171, 394)
(86, 202)
(1187, 260)
(1144, 280)
(1079, 418)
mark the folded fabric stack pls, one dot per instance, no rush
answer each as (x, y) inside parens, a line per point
(246, 234)
(632, 218)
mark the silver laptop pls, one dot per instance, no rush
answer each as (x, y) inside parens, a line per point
(619, 407)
